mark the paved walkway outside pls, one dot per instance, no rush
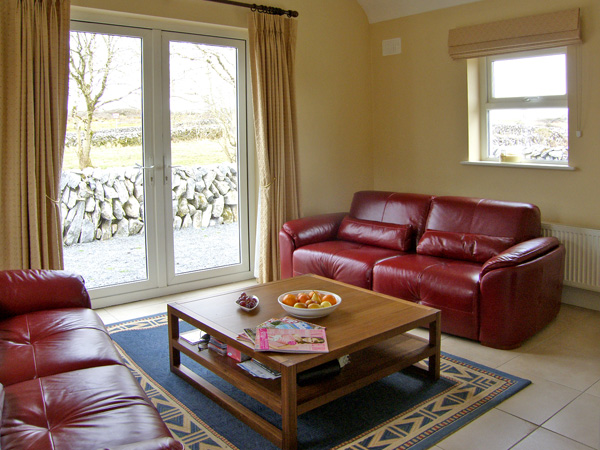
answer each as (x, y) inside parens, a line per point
(122, 260)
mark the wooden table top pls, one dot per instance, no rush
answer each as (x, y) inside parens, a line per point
(363, 318)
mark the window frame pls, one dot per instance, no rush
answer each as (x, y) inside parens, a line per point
(489, 103)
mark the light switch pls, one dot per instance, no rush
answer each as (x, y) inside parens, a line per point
(392, 46)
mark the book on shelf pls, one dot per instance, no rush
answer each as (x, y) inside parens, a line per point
(234, 353)
(217, 349)
(314, 375)
(193, 337)
(217, 346)
(258, 369)
(214, 341)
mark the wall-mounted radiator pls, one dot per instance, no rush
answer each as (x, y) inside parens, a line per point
(582, 259)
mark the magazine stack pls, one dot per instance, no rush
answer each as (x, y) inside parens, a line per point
(217, 346)
(287, 335)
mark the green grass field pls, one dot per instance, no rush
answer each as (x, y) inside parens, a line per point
(190, 153)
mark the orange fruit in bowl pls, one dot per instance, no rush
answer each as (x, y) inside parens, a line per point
(329, 298)
(289, 300)
(303, 297)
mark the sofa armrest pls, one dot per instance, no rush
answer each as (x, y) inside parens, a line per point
(151, 444)
(521, 253)
(308, 230)
(25, 291)
(522, 294)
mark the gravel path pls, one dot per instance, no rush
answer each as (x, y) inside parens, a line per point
(122, 260)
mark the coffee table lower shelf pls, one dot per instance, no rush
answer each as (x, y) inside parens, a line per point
(367, 366)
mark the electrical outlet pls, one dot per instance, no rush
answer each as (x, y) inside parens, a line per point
(392, 46)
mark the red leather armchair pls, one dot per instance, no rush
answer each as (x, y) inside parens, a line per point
(481, 262)
(65, 386)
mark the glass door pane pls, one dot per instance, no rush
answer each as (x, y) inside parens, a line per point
(205, 156)
(104, 182)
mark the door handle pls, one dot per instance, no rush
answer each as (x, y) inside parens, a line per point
(139, 166)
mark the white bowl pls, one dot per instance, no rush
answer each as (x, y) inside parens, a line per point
(250, 309)
(307, 313)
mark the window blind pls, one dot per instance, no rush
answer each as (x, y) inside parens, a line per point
(526, 33)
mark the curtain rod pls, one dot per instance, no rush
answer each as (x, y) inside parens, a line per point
(260, 8)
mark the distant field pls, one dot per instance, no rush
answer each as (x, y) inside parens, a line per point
(188, 153)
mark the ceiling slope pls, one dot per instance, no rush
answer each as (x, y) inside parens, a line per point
(382, 10)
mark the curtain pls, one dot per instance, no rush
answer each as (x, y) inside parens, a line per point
(525, 33)
(272, 61)
(34, 52)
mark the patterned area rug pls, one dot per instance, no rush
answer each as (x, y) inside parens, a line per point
(402, 411)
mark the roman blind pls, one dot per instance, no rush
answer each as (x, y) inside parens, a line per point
(526, 33)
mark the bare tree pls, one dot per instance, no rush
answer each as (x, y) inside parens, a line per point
(224, 116)
(91, 64)
(218, 64)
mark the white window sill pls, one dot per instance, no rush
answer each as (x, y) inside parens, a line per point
(520, 165)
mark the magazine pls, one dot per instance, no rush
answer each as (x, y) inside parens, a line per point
(311, 340)
(193, 336)
(249, 334)
(257, 369)
(289, 322)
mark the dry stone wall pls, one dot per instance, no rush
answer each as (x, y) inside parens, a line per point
(99, 204)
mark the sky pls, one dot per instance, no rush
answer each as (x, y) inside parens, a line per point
(192, 81)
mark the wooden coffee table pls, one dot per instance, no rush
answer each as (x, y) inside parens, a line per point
(368, 326)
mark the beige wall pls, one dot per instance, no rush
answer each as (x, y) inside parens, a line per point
(334, 155)
(420, 115)
(416, 135)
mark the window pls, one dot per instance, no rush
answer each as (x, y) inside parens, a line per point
(523, 109)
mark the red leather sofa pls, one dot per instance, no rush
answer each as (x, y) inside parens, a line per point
(63, 382)
(481, 262)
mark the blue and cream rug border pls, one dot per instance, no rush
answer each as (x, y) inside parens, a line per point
(475, 390)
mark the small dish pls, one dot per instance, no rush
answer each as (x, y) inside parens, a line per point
(248, 298)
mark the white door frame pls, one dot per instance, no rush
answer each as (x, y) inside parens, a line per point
(162, 281)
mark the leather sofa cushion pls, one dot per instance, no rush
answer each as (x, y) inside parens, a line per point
(53, 341)
(81, 409)
(392, 207)
(451, 286)
(378, 234)
(520, 221)
(464, 246)
(345, 261)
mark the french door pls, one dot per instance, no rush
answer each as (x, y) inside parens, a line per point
(156, 170)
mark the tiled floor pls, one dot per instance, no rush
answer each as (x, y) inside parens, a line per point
(560, 410)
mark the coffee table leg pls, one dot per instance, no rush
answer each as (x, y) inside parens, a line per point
(289, 409)
(435, 340)
(174, 354)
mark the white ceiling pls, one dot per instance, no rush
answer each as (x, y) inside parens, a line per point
(381, 10)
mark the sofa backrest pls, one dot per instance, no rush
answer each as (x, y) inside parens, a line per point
(465, 219)
(392, 207)
(519, 221)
